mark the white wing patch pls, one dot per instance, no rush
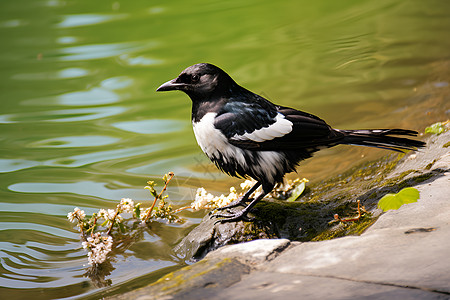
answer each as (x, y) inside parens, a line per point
(280, 128)
(215, 144)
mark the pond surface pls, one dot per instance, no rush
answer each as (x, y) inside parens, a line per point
(81, 124)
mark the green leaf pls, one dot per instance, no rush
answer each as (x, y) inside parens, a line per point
(436, 128)
(298, 190)
(395, 201)
(137, 210)
(152, 191)
(121, 227)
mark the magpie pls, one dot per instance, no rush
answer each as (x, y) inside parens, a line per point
(246, 135)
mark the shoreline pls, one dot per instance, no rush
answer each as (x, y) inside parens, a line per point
(403, 254)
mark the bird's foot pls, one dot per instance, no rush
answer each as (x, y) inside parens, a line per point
(235, 203)
(233, 217)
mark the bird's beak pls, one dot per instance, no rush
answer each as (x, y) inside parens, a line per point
(170, 86)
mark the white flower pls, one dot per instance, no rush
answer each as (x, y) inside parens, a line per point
(126, 205)
(76, 215)
(203, 200)
(118, 219)
(110, 214)
(225, 200)
(143, 214)
(99, 246)
(103, 214)
(247, 184)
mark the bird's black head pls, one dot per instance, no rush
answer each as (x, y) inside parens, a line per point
(199, 82)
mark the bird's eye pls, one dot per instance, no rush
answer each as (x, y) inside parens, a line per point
(195, 78)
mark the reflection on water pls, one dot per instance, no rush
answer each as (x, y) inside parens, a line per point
(62, 74)
(97, 51)
(66, 115)
(69, 21)
(75, 141)
(82, 125)
(10, 165)
(152, 126)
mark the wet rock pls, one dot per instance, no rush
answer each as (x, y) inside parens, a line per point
(253, 252)
(210, 235)
(205, 280)
(403, 256)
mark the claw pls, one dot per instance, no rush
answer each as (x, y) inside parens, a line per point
(233, 217)
(235, 203)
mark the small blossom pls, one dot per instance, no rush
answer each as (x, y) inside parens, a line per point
(99, 246)
(143, 214)
(126, 205)
(103, 214)
(203, 200)
(76, 215)
(247, 184)
(110, 214)
(85, 245)
(119, 218)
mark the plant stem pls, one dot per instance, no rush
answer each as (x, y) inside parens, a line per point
(80, 225)
(112, 221)
(171, 174)
(336, 216)
(181, 208)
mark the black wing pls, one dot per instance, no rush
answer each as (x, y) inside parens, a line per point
(270, 128)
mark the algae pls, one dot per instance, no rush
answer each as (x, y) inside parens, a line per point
(311, 217)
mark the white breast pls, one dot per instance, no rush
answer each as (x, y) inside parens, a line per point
(215, 145)
(213, 142)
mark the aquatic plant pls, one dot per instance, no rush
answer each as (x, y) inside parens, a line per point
(438, 128)
(98, 231)
(106, 229)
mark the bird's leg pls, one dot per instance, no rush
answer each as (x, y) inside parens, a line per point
(243, 199)
(242, 214)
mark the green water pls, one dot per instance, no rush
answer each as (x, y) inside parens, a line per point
(81, 123)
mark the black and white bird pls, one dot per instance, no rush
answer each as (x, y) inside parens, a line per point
(246, 135)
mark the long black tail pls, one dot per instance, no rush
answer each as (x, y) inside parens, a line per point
(382, 138)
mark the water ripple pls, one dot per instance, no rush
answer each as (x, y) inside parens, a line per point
(93, 157)
(74, 141)
(66, 115)
(86, 188)
(61, 74)
(10, 165)
(94, 96)
(70, 21)
(49, 230)
(49, 209)
(154, 126)
(97, 51)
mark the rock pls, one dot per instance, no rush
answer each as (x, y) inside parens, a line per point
(404, 255)
(253, 252)
(204, 281)
(310, 218)
(210, 235)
